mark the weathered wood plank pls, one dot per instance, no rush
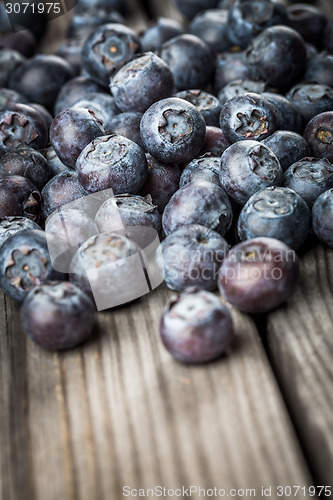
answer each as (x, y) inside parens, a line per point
(120, 411)
(300, 339)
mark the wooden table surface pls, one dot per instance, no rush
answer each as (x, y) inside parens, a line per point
(119, 411)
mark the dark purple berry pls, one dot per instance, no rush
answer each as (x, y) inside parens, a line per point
(208, 105)
(141, 82)
(12, 225)
(190, 60)
(74, 90)
(322, 217)
(311, 99)
(173, 130)
(41, 78)
(107, 267)
(211, 26)
(287, 146)
(319, 135)
(107, 49)
(71, 131)
(201, 203)
(57, 315)
(128, 125)
(205, 168)
(215, 142)
(277, 56)
(18, 196)
(248, 18)
(124, 211)
(196, 327)
(159, 31)
(275, 212)
(192, 256)
(248, 167)
(248, 116)
(62, 189)
(258, 275)
(22, 126)
(112, 162)
(309, 177)
(161, 183)
(308, 20)
(25, 263)
(27, 163)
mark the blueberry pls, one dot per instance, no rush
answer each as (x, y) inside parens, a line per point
(206, 103)
(215, 142)
(106, 255)
(258, 275)
(248, 167)
(287, 146)
(211, 26)
(309, 177)
(71, 50)
(114, 162)
(158, 31)
(88, 19)
(311, 99)
(229, 66)
(102, 104)
(173, 130)
(107, 49)
(18, 196)
(320, 70)
(308, 20)
(28, 163)
(127, 125)
(322, 217)
(190, 60)
(191, 8)
(141, 82)
(319, 135)
(14, 224)
(205, 168)
(124, 210)
(192, 256)
(74, 90)
(248, 116)
(247, 18)
(51, 72)
(161, 183)
(72, 226)
(57, 315)
(9, 60)
(288, 116)
(196, 327)
(21, 126)
(25, 263)
(61, 190)
(23, 41)
(201, 203)
(71, 131)
(8, 97)
(275, 212)
(236, 87)
(277, 56)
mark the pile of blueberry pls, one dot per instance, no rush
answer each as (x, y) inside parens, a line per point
(219, 137)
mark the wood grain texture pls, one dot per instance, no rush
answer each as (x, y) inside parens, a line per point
(120, 411)
(300, 338)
